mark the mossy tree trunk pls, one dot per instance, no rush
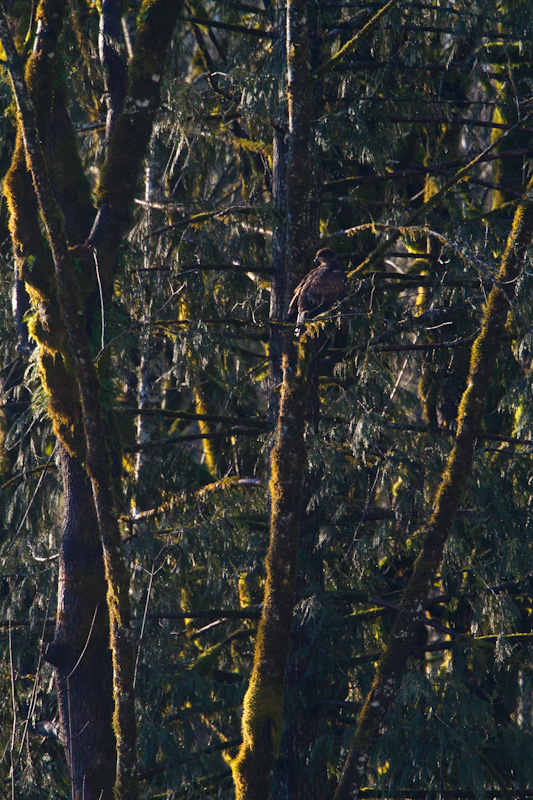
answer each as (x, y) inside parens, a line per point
(92, 652)
(262, 721)
(83, 683)
(299, 774)
(263, 703)
(80, 651)
(76, 354)
(278, 285)
(393, 662)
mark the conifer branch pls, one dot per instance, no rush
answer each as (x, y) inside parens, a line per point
(190, 437)
(393, 662)
(461, 175)
(424, 348)
(205, 216)
(370, 180)
(487, 437)
(475, 123)
(230, 26)
(432, 623)
(176, 762)
(350, 46)
(442, 167)
(212, 613)
(192, 417)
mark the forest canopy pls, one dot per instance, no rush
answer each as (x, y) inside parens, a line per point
(238, 562)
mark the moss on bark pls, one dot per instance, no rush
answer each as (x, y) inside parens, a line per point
(262, 723)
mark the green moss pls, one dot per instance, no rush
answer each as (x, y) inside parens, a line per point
(262, 731)
(207, 661)
(262, 148)
(22, 204)
(263, 715)
(63, 402)
(262, 720)
(249, 589)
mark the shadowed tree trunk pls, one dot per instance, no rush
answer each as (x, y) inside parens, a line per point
(298, 774)
(80, 651)
(278, 286)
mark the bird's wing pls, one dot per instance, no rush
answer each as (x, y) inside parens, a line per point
(293, 305)
(322, 289)
(308, 291)
(333, 285)
(318, 290)
(301, 291)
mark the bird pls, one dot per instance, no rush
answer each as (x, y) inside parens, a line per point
(320, 288)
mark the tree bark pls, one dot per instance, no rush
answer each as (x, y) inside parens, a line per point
(77, 354)
(263, 703)
(132, 130)
(115, 74)
(278, 287)
(262, 721)
(299, 773)
(80, 650)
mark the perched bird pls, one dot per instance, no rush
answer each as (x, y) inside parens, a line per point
(319, 289)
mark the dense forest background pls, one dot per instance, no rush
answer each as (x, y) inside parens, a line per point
(236, 563)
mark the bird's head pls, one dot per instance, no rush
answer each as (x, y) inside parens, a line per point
(325, 256)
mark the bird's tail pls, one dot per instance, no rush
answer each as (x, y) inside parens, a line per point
(300, 322)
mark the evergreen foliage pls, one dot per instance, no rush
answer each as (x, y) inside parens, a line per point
(190, 406)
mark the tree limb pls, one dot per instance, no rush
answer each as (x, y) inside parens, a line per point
(350, 46)
(133, 129)
(115, 74)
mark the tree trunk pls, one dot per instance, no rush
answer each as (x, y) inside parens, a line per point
(299, 774)
(262, 721)
(85, 696)
(150, 372)
(80, 651)
(278, 288)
